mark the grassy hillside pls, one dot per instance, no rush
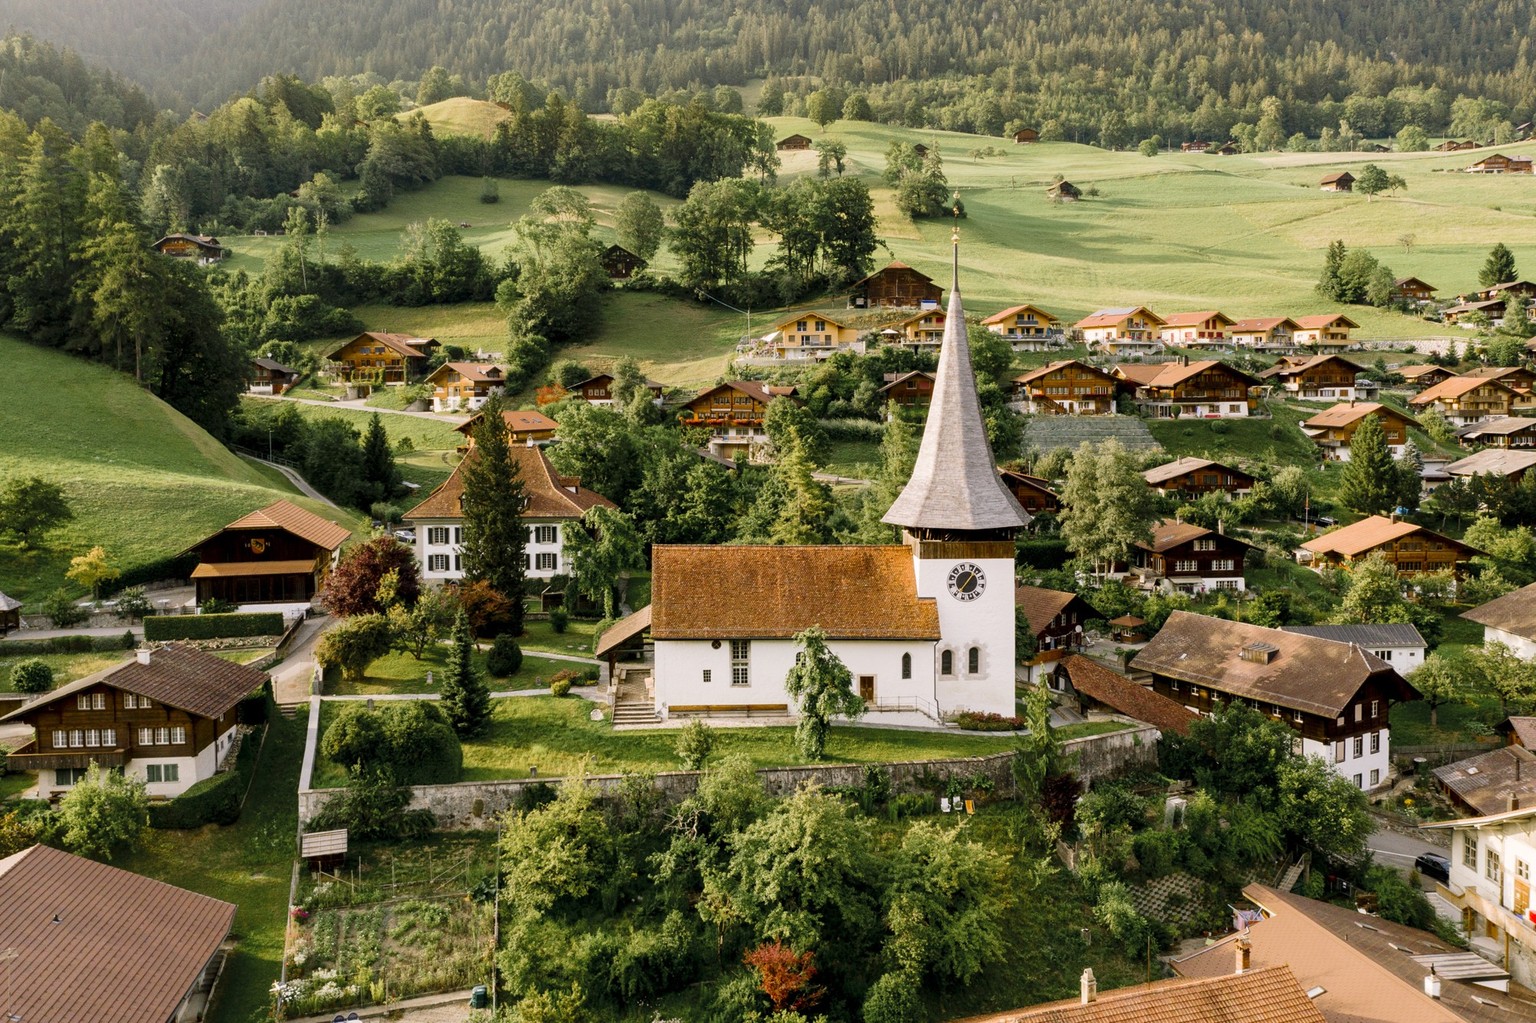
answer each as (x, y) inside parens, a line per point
(144, 481)
(461, 115)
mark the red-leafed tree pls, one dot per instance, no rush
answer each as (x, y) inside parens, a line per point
(786, 976)
(353, 586)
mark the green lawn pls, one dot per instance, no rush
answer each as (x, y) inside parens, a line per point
(1271, 442)
(576, 639)
(66, 667)
(425, 434)
(13, 785)
(402, 673)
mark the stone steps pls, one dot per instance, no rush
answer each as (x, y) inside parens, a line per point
(636, 712)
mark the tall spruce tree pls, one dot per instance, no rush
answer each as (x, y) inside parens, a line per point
(1369, 482)
(494, 534)
(1330, 285)
(465, 699)
(380, 473)
(1499, 267)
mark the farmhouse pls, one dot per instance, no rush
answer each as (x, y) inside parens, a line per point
(1067, 387)
(1333, 429)
(278, 555)
(1097, 688)
(1412, 289)
(792, 143)
(910, 390)
(1499, 163)
(374, 357)
(524, 427)
(922, 331)
(1492, 309)
(1056, 619)
(1422, 375)
(895, 284)
(166, 717)
(1322, 377)
(1327, 331)
(1186, 558)
(619, 263)
(810, 335)
(1189, 478)
(554, 506)
(1124, 330)
(1400, 645)
(1264, 334)
(1025, 135)
(87, 941)
(1033, 493)
(268, 376)
(464, 385)
(1503, 432)
(1501, 463)
(1524, 289)
(733, 413)
(1409, 548)
(1336, 695)
(1029, 327)
(201, 247)
(1517, 378)
(1467, 399)
(1205, 389)
(599, 390)
(1194, 146)
(1510, 619)
(1204, 329)
(1342, 181)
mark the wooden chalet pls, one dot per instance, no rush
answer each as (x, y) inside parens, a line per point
(733, 413)
(165, 716)
(1067, 387)
(1519, 379)
(1204, 329)
(1186, 558)
(1264, 334)
(1333, 429)
(1064, 191)
(1098, 689)
(1500, 163)
(1525, 289)
(457, 386)
(810, 335)
(1188, 478)
(1505, 432)
(895, 284)
(1033, 493)
(1423, 375)
(1026, 135)
(1204, 389)
(1414, 290)
(1325, 331)
(203, 248)
(1128, 629)
(1343, 181)
(374, 357)
(793, 143)
(1123, 330)
(1467, 399)
(10, 614)
(910, 390)
(1027, 326)
(922, 331)
(1500, 463)
(1411, 548)
(280, 554)
(619, 263)
(1320, 378)
(1335, 695)
(1194, 146)
(268, 376)
(524, 427)
(1457, 145)
(1492, 309)
(598, 390)
(1056, 619)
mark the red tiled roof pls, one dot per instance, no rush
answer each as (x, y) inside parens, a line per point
(550, 495)
(1346, 412)
(1040, 606)
(1270, 995)
(1194, 319)
(1262, 323)
(1120, 694)
(1324, 320)
(517, 420)
(301, 523)
(1110, 317)
(1013, 311)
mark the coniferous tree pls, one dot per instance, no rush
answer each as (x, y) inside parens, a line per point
(381, 475)
(1499, 267)
(1330, 286)
(1369, 482)
(465, 699)
(494, 534)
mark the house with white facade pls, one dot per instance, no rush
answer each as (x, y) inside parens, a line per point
(1399, 644)
(555, 505)
(1491, 857)
(1510, 619)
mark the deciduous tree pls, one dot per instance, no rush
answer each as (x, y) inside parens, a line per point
(32, 507)
(822, 687)
(105, 813)
(91, 570)
(354, 644)
(1106, 504)
(640, 224)
(353, 587)
(602, 551)
(944, 904)
(1439, 680)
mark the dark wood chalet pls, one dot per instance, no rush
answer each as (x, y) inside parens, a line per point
(1423, 374)
(913, 389)
(1192, 477)
(1413, 289)
(1410, 548)
(1186, 558)
(376, 357)
(201, 247)
(794, 142)
(619, 263)
(167, 717)
(1204, 389)
(1320, 378)
(895, 284)
(1506, 432)
(1033, 493)
(1057, 619)
(268, 376)
(599, 390)
(733, 413)
(1026, 135)
(1067, 387)
(278, 555)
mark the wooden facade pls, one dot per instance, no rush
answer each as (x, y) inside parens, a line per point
(896, 284)
(794, 143)
(1207, 389)
(457, 386)
(1190, 478)
(102, 709)
(911, 390)
(1068, 387)
(1189, 559)
(278, 555)
(1026, 135)
(269, 376)
(1343, 181)
(1329, 330)
(1322, 378)
(1033, 493)
(1499, 163)
(1024, 323)
(1410, 548)
(619, 263)
(1412, 289)
(1207, 697)
(1264, 334)
(205, 249)
(374, 357)
(1203, 329)
(733, 412)
(1333, 429)
(599, 390)
(1466, 399)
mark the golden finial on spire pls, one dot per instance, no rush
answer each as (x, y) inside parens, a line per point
(954, 238)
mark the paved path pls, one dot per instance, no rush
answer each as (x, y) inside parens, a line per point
(299, 482)
(28, 635)
(291, 679)
(361, 405)
(449, 1007)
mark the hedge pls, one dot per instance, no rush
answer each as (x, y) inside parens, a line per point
(263, 623)
(215, 800)
(67, 645)
(178, 567)
(1043, 552)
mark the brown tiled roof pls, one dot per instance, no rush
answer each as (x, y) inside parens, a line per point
(1262, 323)
(400, 344)
(1119, 693)
(1346, 412)
(1038, 482)
(180, 676)
(1495, 372)
(1324, 320)
(894, 264)
(1417, 370)
(1284, 369)
(1317, 676)
(892, 379)
(1170, 533)
(852, 592)
(1139, 373)
(272, 365)
(1493, 462)
(623, 630)
(96, 944)
(1368, 534)
(1033, 375)
(301, 523)
(236, 569)
(1110, 317)
(1041, 605)
(1172, 373)
(1522, 728)
(1455, 387)
(1270, 995)
(1365, 965)
(517, 420)
(807, 314)
(1514, 613)
(1014, 310)
(1193, 319)
(1180, 466)
(550, 495)
(1486, 781)
(480, 372)
(1339, 176)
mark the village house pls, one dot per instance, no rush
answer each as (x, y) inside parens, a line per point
(1519, 379)
(88, 941)
(1194, 146)
(810, 335)
(1123, 330)
(1502, 432)
(1067, 387)
(279, 555)
(1319, 378)
(910, 390)
(166, 717)
(1188, 478)
(895, 284)
(599, 390)
(1468, 314)
(1501, 463)
(1523, 289)
(1333, 429)
(1490, 783)
(1204, 389)
(1491, 857)
(1264, 334)
(1410, 548)
(1204, 329)
(793, 143)
(733, 413)
(374, 357)
(1467, 399)
(553, 506)
(1342, 181)
(1500, 163)
(1026, 135)
(1399, 644)
(1413, 290)
(1329, 331)
(205, 249)
(1033, 493)
(1185, 558)
(457, 386)
(1064, 191)
(1422, 375)
(268, 376)
(525, 427)
(619, 263)
(1271, 995)
(1456, 146)
(1096, 689)
(923, 331)
(1336, 695)
(1028, 327)
(1056, 620)
(1510, 619)
(1226, 149)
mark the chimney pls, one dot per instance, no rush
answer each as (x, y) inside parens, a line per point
(1244, 949)
(1511, 801)
(143, 654)
(1432, 984)
(1089, 986)
(1221, 527)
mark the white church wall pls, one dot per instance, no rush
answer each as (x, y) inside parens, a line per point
(986, 622)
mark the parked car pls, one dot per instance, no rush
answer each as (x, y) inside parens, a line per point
(1433, 865)
(405, 535)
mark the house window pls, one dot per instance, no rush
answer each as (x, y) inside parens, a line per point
(1375, 742)
(546, 562)
(458, 563)
(1224, 565)
(157, 773)
(77, 737)
(162, 737)
(1469, 851)
(146, 737)
(1206, 545)
(437, 534)
(973, 660)
(1188, 565)
(109, 737)
(1296, 716)
(1522, 870)
(739, 651)
(1359, 746)
(93, 737)
(178, 736)
(1375, 708)
(1493, 869)
(437, 562)
(947, 662)
(1359, 712)
(708, 675)
(526, 562)
(1338, 752)
(1359, 782)
(906, 665)
(1385, 655)
(543, 534)
(60, 739)
(63, 777)
(1375, 778)
(458, 534)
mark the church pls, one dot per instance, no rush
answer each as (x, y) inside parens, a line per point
(926, 625)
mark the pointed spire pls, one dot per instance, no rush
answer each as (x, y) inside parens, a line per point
(955, 485)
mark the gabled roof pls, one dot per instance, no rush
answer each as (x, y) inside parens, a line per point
(1171, 374)
(517, 420)
(1455, 387)
(894, 264)
(1369, 533)
(756, 389)
(1417, 370)
(1508, 285)
(1514, 613)
(1297, 368)
(1347, 412)
(1403, 282)
(650, 385)
(550, 495)
(8, 603)
(272, 365)
(1119, 693)
(1051, 367)
(288, 516)
(921, 314)
(1317, 676)
(1195, 319)
(1117, 314)
(1487, 781)
(406, 345)
(1182, 466)
(1037, 482)
(179, 676)
(1040, 606)
(894, 379)
(96, 944)
(623, 630)
(479, 372)
(202, 241)
(1014, 310)
(1382, 634)
(1324, 320)
(1497, 372)
(1338, 176)
(807, 314)
(1170, 533)
(1141, 374)
(1522, 728)
(853, 592)
(1271, 995)
(1501, 462)
(1261, 324)
(1472, 307)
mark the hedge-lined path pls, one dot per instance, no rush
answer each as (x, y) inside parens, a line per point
(28, 635)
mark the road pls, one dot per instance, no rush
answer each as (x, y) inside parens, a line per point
(361, 405)
(299, 482)
(1396, 849)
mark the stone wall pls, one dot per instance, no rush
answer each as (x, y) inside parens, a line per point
(475, 805)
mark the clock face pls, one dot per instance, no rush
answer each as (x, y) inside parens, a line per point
(966, 581)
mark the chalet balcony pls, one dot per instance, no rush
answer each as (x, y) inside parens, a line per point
(27, 758)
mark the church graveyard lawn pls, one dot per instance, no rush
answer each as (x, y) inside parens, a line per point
(399, 672)
(577, 639)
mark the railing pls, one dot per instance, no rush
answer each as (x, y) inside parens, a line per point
(900, 703)
(21, 760)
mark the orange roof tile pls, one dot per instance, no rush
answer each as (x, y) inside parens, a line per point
(1324, 320)
(1120, 694)
(1369, 533)
(1262, 323)
(1194, 319)
(1015, 310)
(487, 373)
(1455, 387)
(177, 675)
(517, 420)
(1040, 605)
(1110, 317)
(1346, 412)
(1270, 995)
(550, 495)
(1051, 367)
(301, 523)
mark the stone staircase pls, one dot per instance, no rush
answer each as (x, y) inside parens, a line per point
(633, 703)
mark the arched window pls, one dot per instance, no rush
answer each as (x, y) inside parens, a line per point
(973, 660)
(906, 665)
(947, 662)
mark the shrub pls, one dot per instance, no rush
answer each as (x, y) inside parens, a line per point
(32, 677)
(505, 658)
(70, 645)
(975, 721)
(894, 998)
(216, 800)
(132, 603)
(559, 619)
(178, 567)
(165, 628)
(559, 687)
(373, 808)
(219, 606)
(409, 741)
(63, 611)
(694, 745)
